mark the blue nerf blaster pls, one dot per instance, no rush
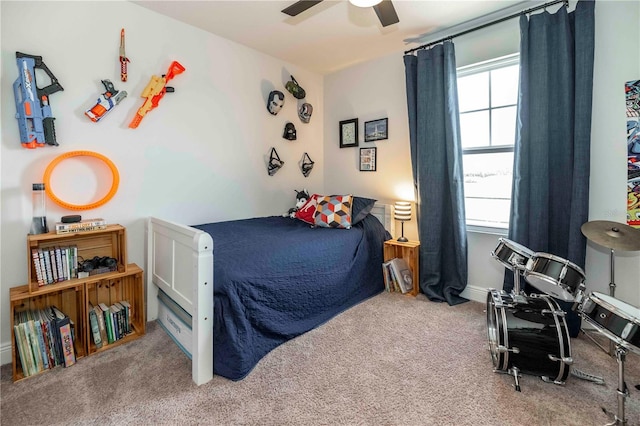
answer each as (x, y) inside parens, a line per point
(35, 119)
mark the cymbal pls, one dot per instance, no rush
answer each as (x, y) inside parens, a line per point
(613, 235)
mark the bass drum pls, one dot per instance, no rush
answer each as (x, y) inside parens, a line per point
(529, 336)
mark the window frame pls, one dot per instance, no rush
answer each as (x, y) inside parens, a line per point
(479, 67)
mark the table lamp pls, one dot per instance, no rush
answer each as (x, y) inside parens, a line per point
(402, 212)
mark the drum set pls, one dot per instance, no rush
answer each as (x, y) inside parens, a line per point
(528, 333)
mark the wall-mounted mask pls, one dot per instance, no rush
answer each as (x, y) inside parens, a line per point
(275, 163)
(275, 102)
(307, 165)
(305, 112)
(294, 88)
(289, 132)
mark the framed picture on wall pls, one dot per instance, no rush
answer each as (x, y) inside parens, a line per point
(376, 130)
(368, 158)
(349, 133)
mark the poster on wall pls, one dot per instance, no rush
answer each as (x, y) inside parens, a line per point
(632, 97)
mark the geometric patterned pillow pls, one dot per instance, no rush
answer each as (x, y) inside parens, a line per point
(334, 211)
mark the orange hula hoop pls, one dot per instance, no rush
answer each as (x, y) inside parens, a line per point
(57, 160)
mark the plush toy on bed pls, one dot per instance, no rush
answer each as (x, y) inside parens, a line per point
(301, 198)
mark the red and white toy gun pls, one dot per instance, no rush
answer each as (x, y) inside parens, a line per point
(106, 102)
(154, 92)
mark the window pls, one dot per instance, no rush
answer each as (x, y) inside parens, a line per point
(487, 97)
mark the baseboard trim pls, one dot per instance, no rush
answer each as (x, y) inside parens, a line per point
(5, 353)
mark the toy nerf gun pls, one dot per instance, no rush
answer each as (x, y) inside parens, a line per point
(35, 119)
(154, 91)
(106, 102)
(123, 58)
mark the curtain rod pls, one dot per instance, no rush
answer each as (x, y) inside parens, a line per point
(515, 15)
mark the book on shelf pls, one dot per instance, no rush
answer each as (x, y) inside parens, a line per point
(43, 267)
(58, 253)
(83, 225)
(386, 275)
(101, 325)
(95, 328)
(114, 310)
(107, 321)
(30, 329)
(54, 265)
(47, 262)
(64, 263)
(41, 344)
(65, 335)
(35, 255)
(23, 349)
(127, 309)
(402, 274)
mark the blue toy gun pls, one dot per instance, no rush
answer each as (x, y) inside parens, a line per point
(35, 119)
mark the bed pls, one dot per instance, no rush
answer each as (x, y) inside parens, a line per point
(275, 278)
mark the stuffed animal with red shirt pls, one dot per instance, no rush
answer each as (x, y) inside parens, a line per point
(301, 198)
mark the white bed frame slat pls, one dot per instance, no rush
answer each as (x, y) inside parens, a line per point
(180, 262)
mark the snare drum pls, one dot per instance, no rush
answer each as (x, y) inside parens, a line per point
(530, 335)
(554, 276)
(510, 253)
(617, 320)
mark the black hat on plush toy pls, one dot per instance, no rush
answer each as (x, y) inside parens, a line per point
(289, 132)
(294, 88)
(305, 112)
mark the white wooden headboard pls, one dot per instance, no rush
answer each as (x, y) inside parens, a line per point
(384, 213)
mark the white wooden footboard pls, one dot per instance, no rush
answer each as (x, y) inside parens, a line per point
(180, 263)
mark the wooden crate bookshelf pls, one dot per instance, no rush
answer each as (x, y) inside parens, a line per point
(110, 242)
(70, 300)
(129, 287)
(410, 252)
(72, 296)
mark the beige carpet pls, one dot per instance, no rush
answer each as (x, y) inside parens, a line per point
(392, 360)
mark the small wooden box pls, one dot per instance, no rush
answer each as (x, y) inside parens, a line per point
(69, 299)
(110, 242)
(116, 288)
(410, 252)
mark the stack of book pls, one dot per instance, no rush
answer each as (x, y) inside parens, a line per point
(109, 323)
(397, 276)
(55, 264)
(44, 339)
(83, 225)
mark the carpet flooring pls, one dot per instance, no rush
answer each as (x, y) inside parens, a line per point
(391, 360)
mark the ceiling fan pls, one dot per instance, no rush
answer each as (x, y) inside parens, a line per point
(384, 9)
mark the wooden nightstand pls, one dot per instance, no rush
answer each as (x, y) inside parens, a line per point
(409, 251)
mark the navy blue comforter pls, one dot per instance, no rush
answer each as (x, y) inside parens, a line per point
(276, 278)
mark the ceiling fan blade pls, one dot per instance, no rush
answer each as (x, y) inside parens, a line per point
(386, 13)
(300, 6)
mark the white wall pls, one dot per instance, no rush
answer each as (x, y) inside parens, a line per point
(377, 89)
(199, 157)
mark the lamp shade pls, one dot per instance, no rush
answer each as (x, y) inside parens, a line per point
(402, 211)
(364, 3)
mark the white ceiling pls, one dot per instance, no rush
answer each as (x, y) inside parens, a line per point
(333, 34)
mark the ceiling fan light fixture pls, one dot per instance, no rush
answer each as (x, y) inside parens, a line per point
(364, 3)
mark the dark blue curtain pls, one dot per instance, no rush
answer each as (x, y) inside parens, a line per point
(436, 159)
(550, 198)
